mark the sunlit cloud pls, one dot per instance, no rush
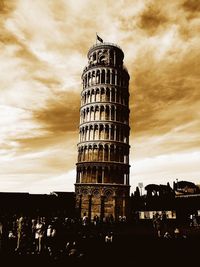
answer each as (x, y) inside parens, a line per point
(183, 166)
(43, 48)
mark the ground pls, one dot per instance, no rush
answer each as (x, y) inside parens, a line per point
(131, 246)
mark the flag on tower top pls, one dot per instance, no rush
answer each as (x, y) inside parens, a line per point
(99, 39)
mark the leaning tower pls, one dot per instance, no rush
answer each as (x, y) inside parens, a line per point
(102, 183)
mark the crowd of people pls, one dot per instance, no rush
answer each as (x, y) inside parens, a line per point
(53, 235)
(160, 224)
(75, 238)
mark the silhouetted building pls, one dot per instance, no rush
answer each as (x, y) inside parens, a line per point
(56, 203)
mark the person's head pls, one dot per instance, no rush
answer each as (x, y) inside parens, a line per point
(177, 231)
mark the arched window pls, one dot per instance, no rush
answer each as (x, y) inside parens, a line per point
(121, 155)
(101, 131)
(90, 153)
(106, 153)
(100, 152)
(103, 76)
(112, 133)
(103, 94)
(85, 97)
(107, 113)
(117, 96)
(86, 79)
(93, 77)
(106, 132)
(112, 153)
(92, 113)
(88, 115)
(102, 113)
(87, 134)
(97, 95)
(107, 95)
(113, 77)
(113, 95)
(99, 176)
(89, 79)
(96, 132)
(117, 154)
(85, 153)
(108, 76)
(97, 113)
(91, 133)
(98, 77)
(95, 153)
(93, 175)
(92, 96)
(117, 134)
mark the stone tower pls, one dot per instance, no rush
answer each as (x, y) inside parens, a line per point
(102, 183)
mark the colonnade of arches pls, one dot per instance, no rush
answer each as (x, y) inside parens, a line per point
(114, 56)
(103, 153)
(106, 75)
(98, 112)
(105, 94)
(107, 131)
(101, 174)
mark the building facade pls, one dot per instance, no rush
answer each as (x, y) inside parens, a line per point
(102, 182)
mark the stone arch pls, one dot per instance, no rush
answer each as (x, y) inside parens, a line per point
(108, 193)
(92, 95)
(121, 154)
(97, 94)
(85, 80)
(92, 113)
(96, 132)
(100, 152)
(113, 77)
(93, 78)
(107, 95)
(87, 114)
(117, 154)
(107, 112)
(112, 151)
(103, 94)
(93, 174)
(108, 76)
(95, 152)
(97, 112)
(91, 132)
(90, 150)
(101, 131)
(112, 113)
(117, 95)
(106, 149)
(99, 175)
(103, 76)
(98, 76)
(113, 94)
(89, 78)
(102, 112)
(107, 131)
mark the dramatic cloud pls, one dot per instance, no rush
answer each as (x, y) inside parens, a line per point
(43, 48)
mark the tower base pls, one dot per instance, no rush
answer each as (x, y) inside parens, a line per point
(107, 201)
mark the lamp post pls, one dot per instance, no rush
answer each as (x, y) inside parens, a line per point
(176, 183)
(140, 186)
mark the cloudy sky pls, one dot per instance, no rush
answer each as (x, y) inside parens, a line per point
(43, 47)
